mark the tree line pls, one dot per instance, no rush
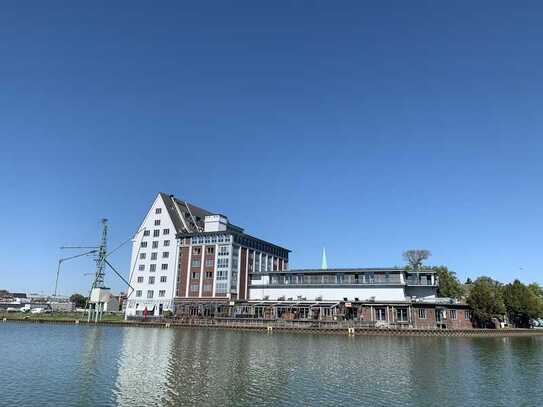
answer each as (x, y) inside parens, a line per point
(489, 299)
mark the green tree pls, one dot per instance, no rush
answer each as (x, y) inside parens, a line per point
(449, 285)
(79, 300)
(536, 289)
(486, 300)
(522, 303)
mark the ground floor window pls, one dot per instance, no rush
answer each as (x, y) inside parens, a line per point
(380, 314)
(422, 313)
(452, 313)
(401, 314)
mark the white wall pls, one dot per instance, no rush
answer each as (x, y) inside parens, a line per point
(173, 250)
(330, 294)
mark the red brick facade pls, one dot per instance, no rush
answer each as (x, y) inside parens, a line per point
(183, 272)
(242, 274)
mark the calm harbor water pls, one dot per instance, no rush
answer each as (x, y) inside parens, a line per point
(68, 365)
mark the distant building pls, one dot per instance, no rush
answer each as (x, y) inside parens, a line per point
(196, 263)
(183, 252)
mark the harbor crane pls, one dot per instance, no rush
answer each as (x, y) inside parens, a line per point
(99, 294)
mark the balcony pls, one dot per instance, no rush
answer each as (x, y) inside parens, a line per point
(332, 280)
(421, 280)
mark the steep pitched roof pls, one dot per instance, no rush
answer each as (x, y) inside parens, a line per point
(186, 217)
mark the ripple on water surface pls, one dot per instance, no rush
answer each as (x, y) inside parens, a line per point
(85, 365)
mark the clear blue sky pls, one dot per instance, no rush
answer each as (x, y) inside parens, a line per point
(365, 128)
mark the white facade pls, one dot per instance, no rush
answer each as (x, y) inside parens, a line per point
(153, 263)
(328, 294)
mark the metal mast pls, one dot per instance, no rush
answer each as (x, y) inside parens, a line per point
(101, 258)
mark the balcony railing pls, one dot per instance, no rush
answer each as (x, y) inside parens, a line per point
(334, 282)
(425, 283)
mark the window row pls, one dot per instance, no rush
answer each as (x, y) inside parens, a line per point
(151, 279)
(453, 314)
(156, 232)
(152, 267)
(154, 255)
(155, 243)
(211, 239)
(151, 293)
(195, 275)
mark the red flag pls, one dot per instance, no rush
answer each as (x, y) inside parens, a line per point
(145, 312)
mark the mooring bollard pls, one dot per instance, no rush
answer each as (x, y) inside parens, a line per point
(270, 328)
(350, 331)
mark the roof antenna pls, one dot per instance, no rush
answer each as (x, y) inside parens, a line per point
(324, 262)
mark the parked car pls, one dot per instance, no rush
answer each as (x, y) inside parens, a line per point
(25, 308)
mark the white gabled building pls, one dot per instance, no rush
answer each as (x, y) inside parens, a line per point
(155, 254)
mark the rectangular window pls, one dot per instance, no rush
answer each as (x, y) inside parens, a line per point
(157, 222)
(467, 315)
(152, 267)
(140, 279)
(223, 250)
(143, 244)
(146, 232)
(150, 293)
(380, 314)
(158, 211)
(138, 293)
(163, 279)
(222, 262)
(210, 262)
(195, 275)
(164, 266)
(153, 255)
(452, 313)
(142, 256)
(162, 293)
(196, 250)
(210, 250)
(207, 288)
(151, 279)
(156, 233)
(194, 287)
(155, 244)
(166, 243)
(209, 274)
(141, 267)
(165, 255)
(422, 313)
(196, 263)
(401, 314)
(221, 287)
(165, 231)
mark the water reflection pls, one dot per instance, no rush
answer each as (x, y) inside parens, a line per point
(143, 363)
(97, 365)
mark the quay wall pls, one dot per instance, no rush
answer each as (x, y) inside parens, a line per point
(282, 326)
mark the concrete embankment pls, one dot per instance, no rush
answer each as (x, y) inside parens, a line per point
(283, 326)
